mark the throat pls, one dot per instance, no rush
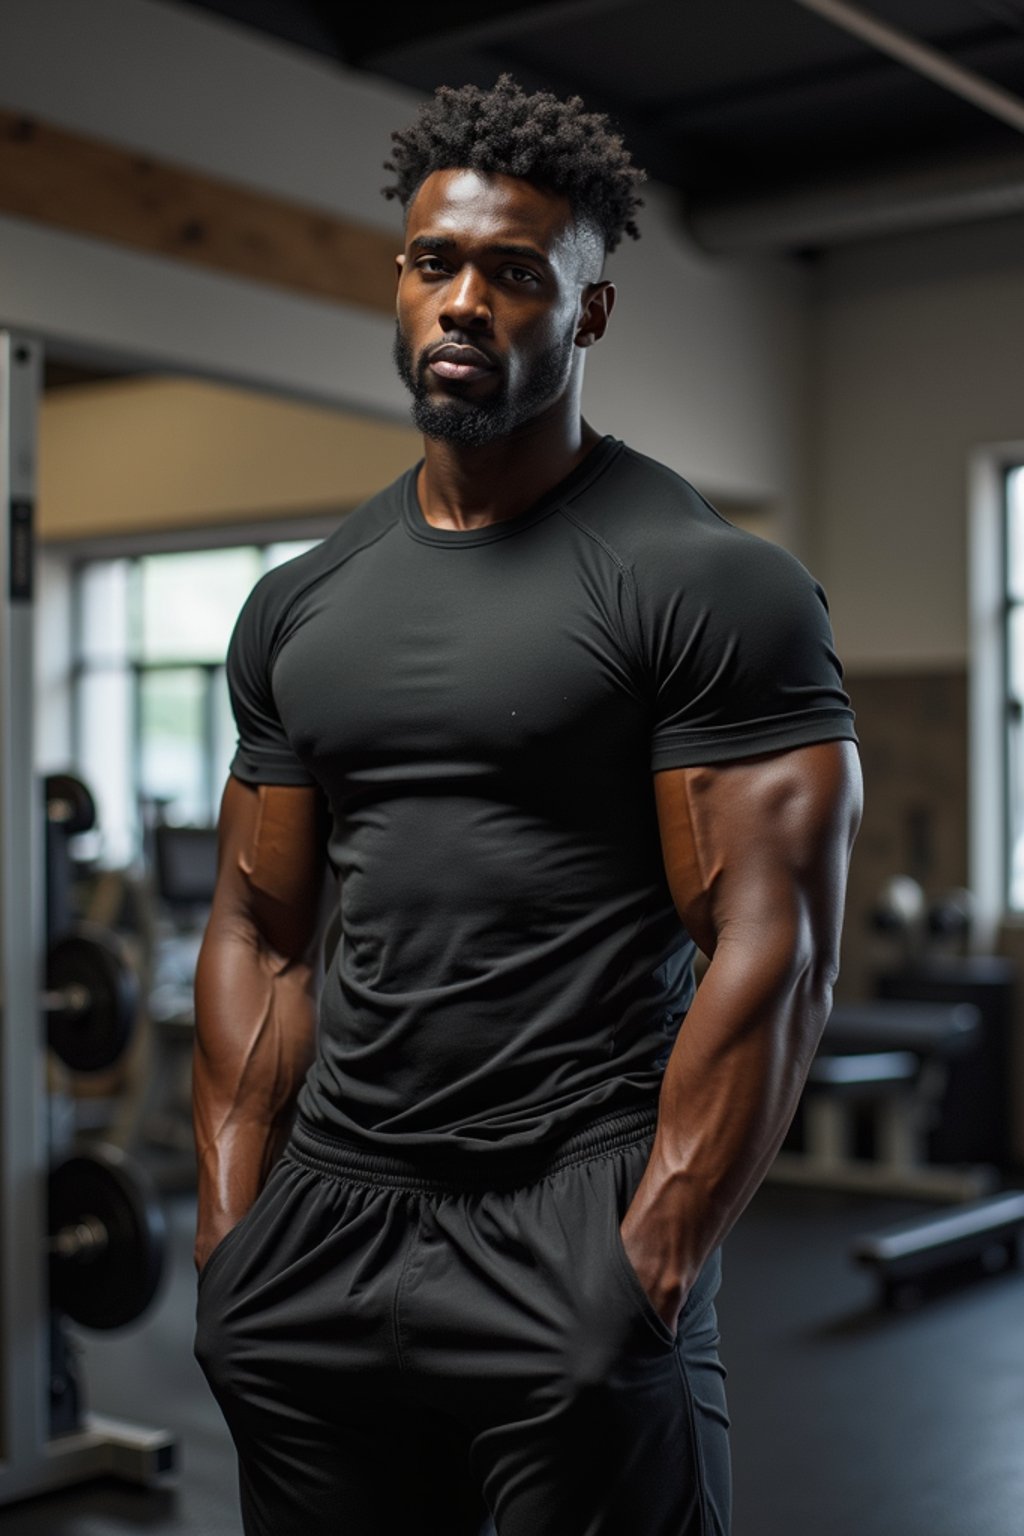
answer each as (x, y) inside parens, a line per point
(463, 490)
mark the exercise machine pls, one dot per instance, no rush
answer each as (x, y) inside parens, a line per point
(887, 1062)
(978, 1237)
(923, 1070)
(66, 1231)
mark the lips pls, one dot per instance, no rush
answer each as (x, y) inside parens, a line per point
(452, 361)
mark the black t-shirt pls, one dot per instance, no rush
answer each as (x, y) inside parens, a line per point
(484, 711)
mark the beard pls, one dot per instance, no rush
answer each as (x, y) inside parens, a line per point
(473, 424)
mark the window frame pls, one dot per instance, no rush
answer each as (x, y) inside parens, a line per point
(990, 709)
(1013, 701)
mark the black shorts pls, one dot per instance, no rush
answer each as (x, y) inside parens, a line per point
(398, 1353)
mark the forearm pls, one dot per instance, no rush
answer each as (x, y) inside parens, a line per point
(255, 1039)
(729, 1092)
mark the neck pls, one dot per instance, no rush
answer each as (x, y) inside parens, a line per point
(465, 488)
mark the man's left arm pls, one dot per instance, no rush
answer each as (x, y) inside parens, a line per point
(756, 853)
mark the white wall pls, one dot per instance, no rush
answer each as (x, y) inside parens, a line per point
(703, 367)
(917, 363)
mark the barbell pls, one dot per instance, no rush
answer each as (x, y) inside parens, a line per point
(69, 804)
(91, 999)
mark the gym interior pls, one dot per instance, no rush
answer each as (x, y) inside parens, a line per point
(818, 329)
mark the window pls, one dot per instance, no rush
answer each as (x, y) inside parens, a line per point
(152, 724)
(1013, 673)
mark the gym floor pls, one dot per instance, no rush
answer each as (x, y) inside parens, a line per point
(847, 1420)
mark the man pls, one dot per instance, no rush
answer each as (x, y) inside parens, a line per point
(551, 723)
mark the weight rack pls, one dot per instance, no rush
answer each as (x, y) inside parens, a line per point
(32, 1459)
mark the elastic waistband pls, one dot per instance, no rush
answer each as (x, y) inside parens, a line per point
(458, 1173)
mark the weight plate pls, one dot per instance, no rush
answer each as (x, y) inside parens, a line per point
(69, 805)
(91, 967)
(109, 1285)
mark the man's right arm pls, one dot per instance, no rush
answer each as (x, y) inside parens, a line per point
(256, 988)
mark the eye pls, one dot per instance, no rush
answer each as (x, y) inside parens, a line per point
(430, 265)
(520, 276)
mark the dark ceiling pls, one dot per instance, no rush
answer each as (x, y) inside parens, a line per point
(780, 128)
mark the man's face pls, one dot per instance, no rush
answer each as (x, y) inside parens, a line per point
(488, 303)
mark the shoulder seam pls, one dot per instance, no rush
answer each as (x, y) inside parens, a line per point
(627, 573)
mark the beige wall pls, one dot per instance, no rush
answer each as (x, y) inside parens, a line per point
(172, 453)
(916, 348)
(917, 362)
(704, 367)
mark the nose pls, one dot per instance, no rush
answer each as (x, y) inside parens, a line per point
(467, 302)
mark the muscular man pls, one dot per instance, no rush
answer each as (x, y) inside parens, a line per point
(550, 723)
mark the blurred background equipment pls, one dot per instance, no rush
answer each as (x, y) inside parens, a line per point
(91, 999)
(908, 1094)
(901, 912)
(887, 1064)
(103, 1232)
(983, 1236)
(107, 1238)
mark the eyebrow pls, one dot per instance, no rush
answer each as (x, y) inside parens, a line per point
(444, 243)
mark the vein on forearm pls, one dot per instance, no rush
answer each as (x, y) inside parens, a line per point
(254, 1030)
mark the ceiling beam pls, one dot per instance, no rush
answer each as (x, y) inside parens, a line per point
(97, 189)
(921, 58)
(467, 24)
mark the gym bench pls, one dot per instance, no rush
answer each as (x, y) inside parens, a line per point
(889, 1058)
(904, 1256)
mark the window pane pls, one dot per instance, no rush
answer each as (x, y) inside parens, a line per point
(1015, 532)
(1015, 652)
(103, 609)
(172, 739)
(188, 603)
(277, 554)
(104, 759)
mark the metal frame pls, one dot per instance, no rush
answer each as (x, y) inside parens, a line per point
(32, 1461)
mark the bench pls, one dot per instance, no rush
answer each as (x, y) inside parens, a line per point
(890, 1059)
(984, 1232)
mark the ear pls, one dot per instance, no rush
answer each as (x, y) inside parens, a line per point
(596, 303)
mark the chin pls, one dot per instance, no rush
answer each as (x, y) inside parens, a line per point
(448, 421)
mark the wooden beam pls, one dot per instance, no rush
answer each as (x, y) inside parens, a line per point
(97, 189)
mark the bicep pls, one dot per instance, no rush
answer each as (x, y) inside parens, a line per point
(271, 863)
(759, 844)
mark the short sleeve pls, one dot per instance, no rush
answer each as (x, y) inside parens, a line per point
(264, 754)
(741, 654)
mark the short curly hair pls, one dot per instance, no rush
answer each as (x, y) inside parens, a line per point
(552, 143)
